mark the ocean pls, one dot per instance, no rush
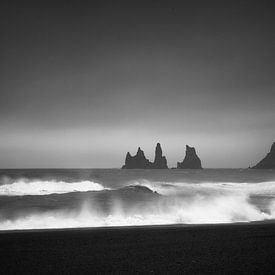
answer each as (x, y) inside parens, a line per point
(69, 198)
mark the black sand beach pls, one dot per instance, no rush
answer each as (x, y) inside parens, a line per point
(206, 249)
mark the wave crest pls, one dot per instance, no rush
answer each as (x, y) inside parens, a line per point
(36, 187)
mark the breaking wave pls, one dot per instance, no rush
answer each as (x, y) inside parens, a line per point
(198, 211)
(146, 203)
(36, 187)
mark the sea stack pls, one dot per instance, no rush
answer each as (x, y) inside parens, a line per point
(269, 161)
(191, 160)
(160, 161)
(139, 161)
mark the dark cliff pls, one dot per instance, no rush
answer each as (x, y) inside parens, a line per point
(268, 162)
(191, 160)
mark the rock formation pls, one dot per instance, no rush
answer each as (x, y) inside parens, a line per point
(268, 162)
(139, 161)
(160, 161)
(191, 160)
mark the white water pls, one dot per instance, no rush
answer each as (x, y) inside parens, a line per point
(199, 211)
(36, 187)
(196, 203)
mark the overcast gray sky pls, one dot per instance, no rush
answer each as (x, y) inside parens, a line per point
(83, 84)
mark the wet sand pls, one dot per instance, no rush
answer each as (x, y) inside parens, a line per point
(206, 249)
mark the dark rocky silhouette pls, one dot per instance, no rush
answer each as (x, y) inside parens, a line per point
(268, 162)
(139, 161)
(191, 160)
(160, 161)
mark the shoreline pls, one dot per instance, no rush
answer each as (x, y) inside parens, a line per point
(133, 227)
(204, 249)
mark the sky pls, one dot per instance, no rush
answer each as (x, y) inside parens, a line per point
(82, 84)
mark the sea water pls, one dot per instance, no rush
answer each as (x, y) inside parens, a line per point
(65, 198)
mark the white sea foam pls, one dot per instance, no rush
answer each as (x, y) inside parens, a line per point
(180, 203)
(36, 187)
(220, 210)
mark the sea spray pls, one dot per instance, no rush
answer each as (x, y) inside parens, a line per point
(191, 204)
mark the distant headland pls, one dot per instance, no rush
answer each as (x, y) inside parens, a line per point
(139, 161)
(268, 162)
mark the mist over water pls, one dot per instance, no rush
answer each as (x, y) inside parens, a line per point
(33, 204)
